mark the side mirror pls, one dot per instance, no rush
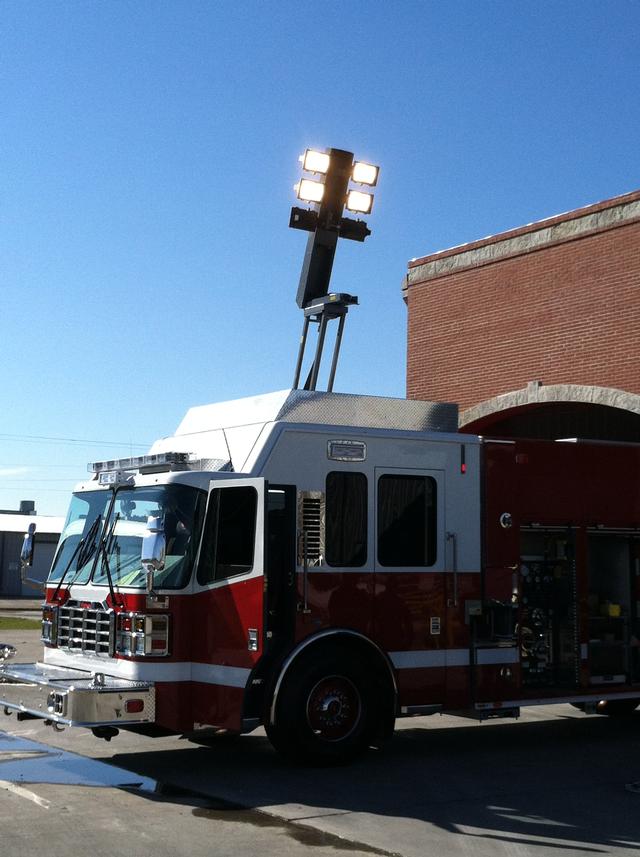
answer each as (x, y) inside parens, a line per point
(154, 548)
(28, 546)
(26, 556)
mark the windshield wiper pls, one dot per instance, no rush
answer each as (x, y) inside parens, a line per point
(83, 550)
(89, 542)
(106, 546)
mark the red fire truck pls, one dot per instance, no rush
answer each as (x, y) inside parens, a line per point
(320, 563)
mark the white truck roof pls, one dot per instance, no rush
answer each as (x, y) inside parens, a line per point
(225, 433)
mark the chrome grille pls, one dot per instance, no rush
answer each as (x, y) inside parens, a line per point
(85, 629)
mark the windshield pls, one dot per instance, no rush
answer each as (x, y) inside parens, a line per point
(104, 531)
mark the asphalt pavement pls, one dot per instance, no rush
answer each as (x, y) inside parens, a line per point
(557, 782)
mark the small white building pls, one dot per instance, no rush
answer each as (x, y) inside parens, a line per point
(13, 526)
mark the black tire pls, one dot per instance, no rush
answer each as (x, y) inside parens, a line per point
(617, 707)
(326, 711)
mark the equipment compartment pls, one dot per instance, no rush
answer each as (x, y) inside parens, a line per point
(613, 634)
(548, 627)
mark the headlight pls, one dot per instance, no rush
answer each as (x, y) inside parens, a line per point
(140, 635)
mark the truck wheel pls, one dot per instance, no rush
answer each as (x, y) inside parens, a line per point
(325, 711)
(617, 707)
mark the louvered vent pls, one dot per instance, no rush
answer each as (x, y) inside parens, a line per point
(310, 528)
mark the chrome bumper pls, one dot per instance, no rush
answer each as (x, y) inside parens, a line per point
(74, 697)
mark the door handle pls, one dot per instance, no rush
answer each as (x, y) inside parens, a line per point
(452, 541)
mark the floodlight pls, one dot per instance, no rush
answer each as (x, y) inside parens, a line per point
(359, 201)
(365, 173)
(309, 191)
(315, 162)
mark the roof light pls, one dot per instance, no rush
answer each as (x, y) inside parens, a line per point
(315, 162)
(114, 477)
(359, 201)
(159, 460)
(309, 191)
(365, 173)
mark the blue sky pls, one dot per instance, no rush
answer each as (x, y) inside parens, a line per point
(148, 155)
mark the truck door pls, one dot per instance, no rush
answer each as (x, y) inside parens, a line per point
(228, 630)
(410, 592)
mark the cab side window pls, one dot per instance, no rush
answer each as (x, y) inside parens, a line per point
(407, 521)
(229, 535)
(346, 519)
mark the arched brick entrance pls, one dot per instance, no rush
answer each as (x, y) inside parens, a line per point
(555, 411)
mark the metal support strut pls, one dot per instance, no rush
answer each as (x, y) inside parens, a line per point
(303, 344)
(336, 352)
(321, 312)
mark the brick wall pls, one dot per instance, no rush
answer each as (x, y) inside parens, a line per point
(489, 317)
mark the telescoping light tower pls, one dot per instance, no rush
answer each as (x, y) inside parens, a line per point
(329, 195)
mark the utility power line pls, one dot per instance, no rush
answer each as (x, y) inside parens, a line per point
(66, 491)
(38, 481)
(35, 438)
(37, 465)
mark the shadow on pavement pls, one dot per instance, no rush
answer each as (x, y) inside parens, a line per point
(559, 782)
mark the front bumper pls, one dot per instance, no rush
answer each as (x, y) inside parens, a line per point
(75, 697)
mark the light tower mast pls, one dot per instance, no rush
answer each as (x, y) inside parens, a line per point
(326, 224)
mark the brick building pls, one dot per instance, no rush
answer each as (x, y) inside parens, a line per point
(534, 331)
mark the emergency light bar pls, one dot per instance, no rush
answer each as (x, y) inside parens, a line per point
(139, 462)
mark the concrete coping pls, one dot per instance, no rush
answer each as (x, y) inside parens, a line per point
(581, 223)
(537, 393)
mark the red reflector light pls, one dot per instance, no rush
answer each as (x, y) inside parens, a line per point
(134, 706)
(125, 623)
(159, 644)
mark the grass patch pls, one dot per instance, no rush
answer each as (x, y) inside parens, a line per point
(11, 623)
